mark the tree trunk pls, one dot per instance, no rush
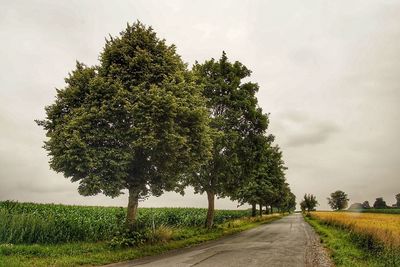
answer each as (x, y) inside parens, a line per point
(260, 209)
(210, 211)
(133, 201)
(253, 210)
(272, 210)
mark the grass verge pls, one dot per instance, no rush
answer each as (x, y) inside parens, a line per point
(79, 253)
(345, 249)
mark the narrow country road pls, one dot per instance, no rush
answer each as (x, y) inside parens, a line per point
(289, 241)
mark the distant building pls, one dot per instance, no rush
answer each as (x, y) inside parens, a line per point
(356, 206)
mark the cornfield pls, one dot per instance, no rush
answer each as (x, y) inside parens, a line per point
(26, 223)
(376, 229)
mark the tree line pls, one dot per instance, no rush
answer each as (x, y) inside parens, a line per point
(141, 120)
(339, 200)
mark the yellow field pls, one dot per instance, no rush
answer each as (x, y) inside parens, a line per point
(384, 228)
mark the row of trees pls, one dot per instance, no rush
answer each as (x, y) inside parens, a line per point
(379, 203)
(339, 200)
(142, 121)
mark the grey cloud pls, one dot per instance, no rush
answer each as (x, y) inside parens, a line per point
(301, 130)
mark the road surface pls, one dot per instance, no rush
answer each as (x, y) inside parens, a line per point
(289, 241)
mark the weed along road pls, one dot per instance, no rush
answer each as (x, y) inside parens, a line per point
(289, 241)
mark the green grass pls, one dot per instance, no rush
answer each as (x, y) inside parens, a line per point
(346, 248)
(99, 253)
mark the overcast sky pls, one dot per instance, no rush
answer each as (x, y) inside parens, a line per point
(329, 75)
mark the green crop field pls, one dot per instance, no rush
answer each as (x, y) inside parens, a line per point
(27, 223)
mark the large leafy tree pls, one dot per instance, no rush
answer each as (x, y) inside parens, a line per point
(136, 121)
(234, 117)
(398, 200)
(338, 200)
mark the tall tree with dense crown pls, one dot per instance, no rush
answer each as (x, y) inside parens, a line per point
(234, 116)
(136, 121)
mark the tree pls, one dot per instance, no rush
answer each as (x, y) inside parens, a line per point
(338, 200)
(235, 117)
(309, 203)
(287, 200)
(276, 173)
(255, 183)
(303, 206)
(398, 200)
(365, 205)
(380, 203)
(136, 121)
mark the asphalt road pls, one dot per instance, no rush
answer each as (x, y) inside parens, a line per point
(289, 241)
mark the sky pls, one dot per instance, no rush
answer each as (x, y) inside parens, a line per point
(328, 71)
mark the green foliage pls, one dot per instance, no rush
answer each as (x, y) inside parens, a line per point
(245, 165)
(398, 200)
(234, 118)
(258, 184)
(234, 114)
(128, 238)
(309, 203)
(380, 203)
(287, 200)
(50, 223)
(136, 121)
(338, 200)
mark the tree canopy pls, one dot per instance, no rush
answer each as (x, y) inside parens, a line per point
(309, 203)
(338, 200)
(380, 203)
(235, 118)
(140, 121)
(136, 121)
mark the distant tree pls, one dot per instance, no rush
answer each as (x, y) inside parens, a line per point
(338, 200)
(398, 200)
(380, 203)
(303, 206)
(309, 202)
(365, 205)
(288, 200)
(137, 121)
(255, 163)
